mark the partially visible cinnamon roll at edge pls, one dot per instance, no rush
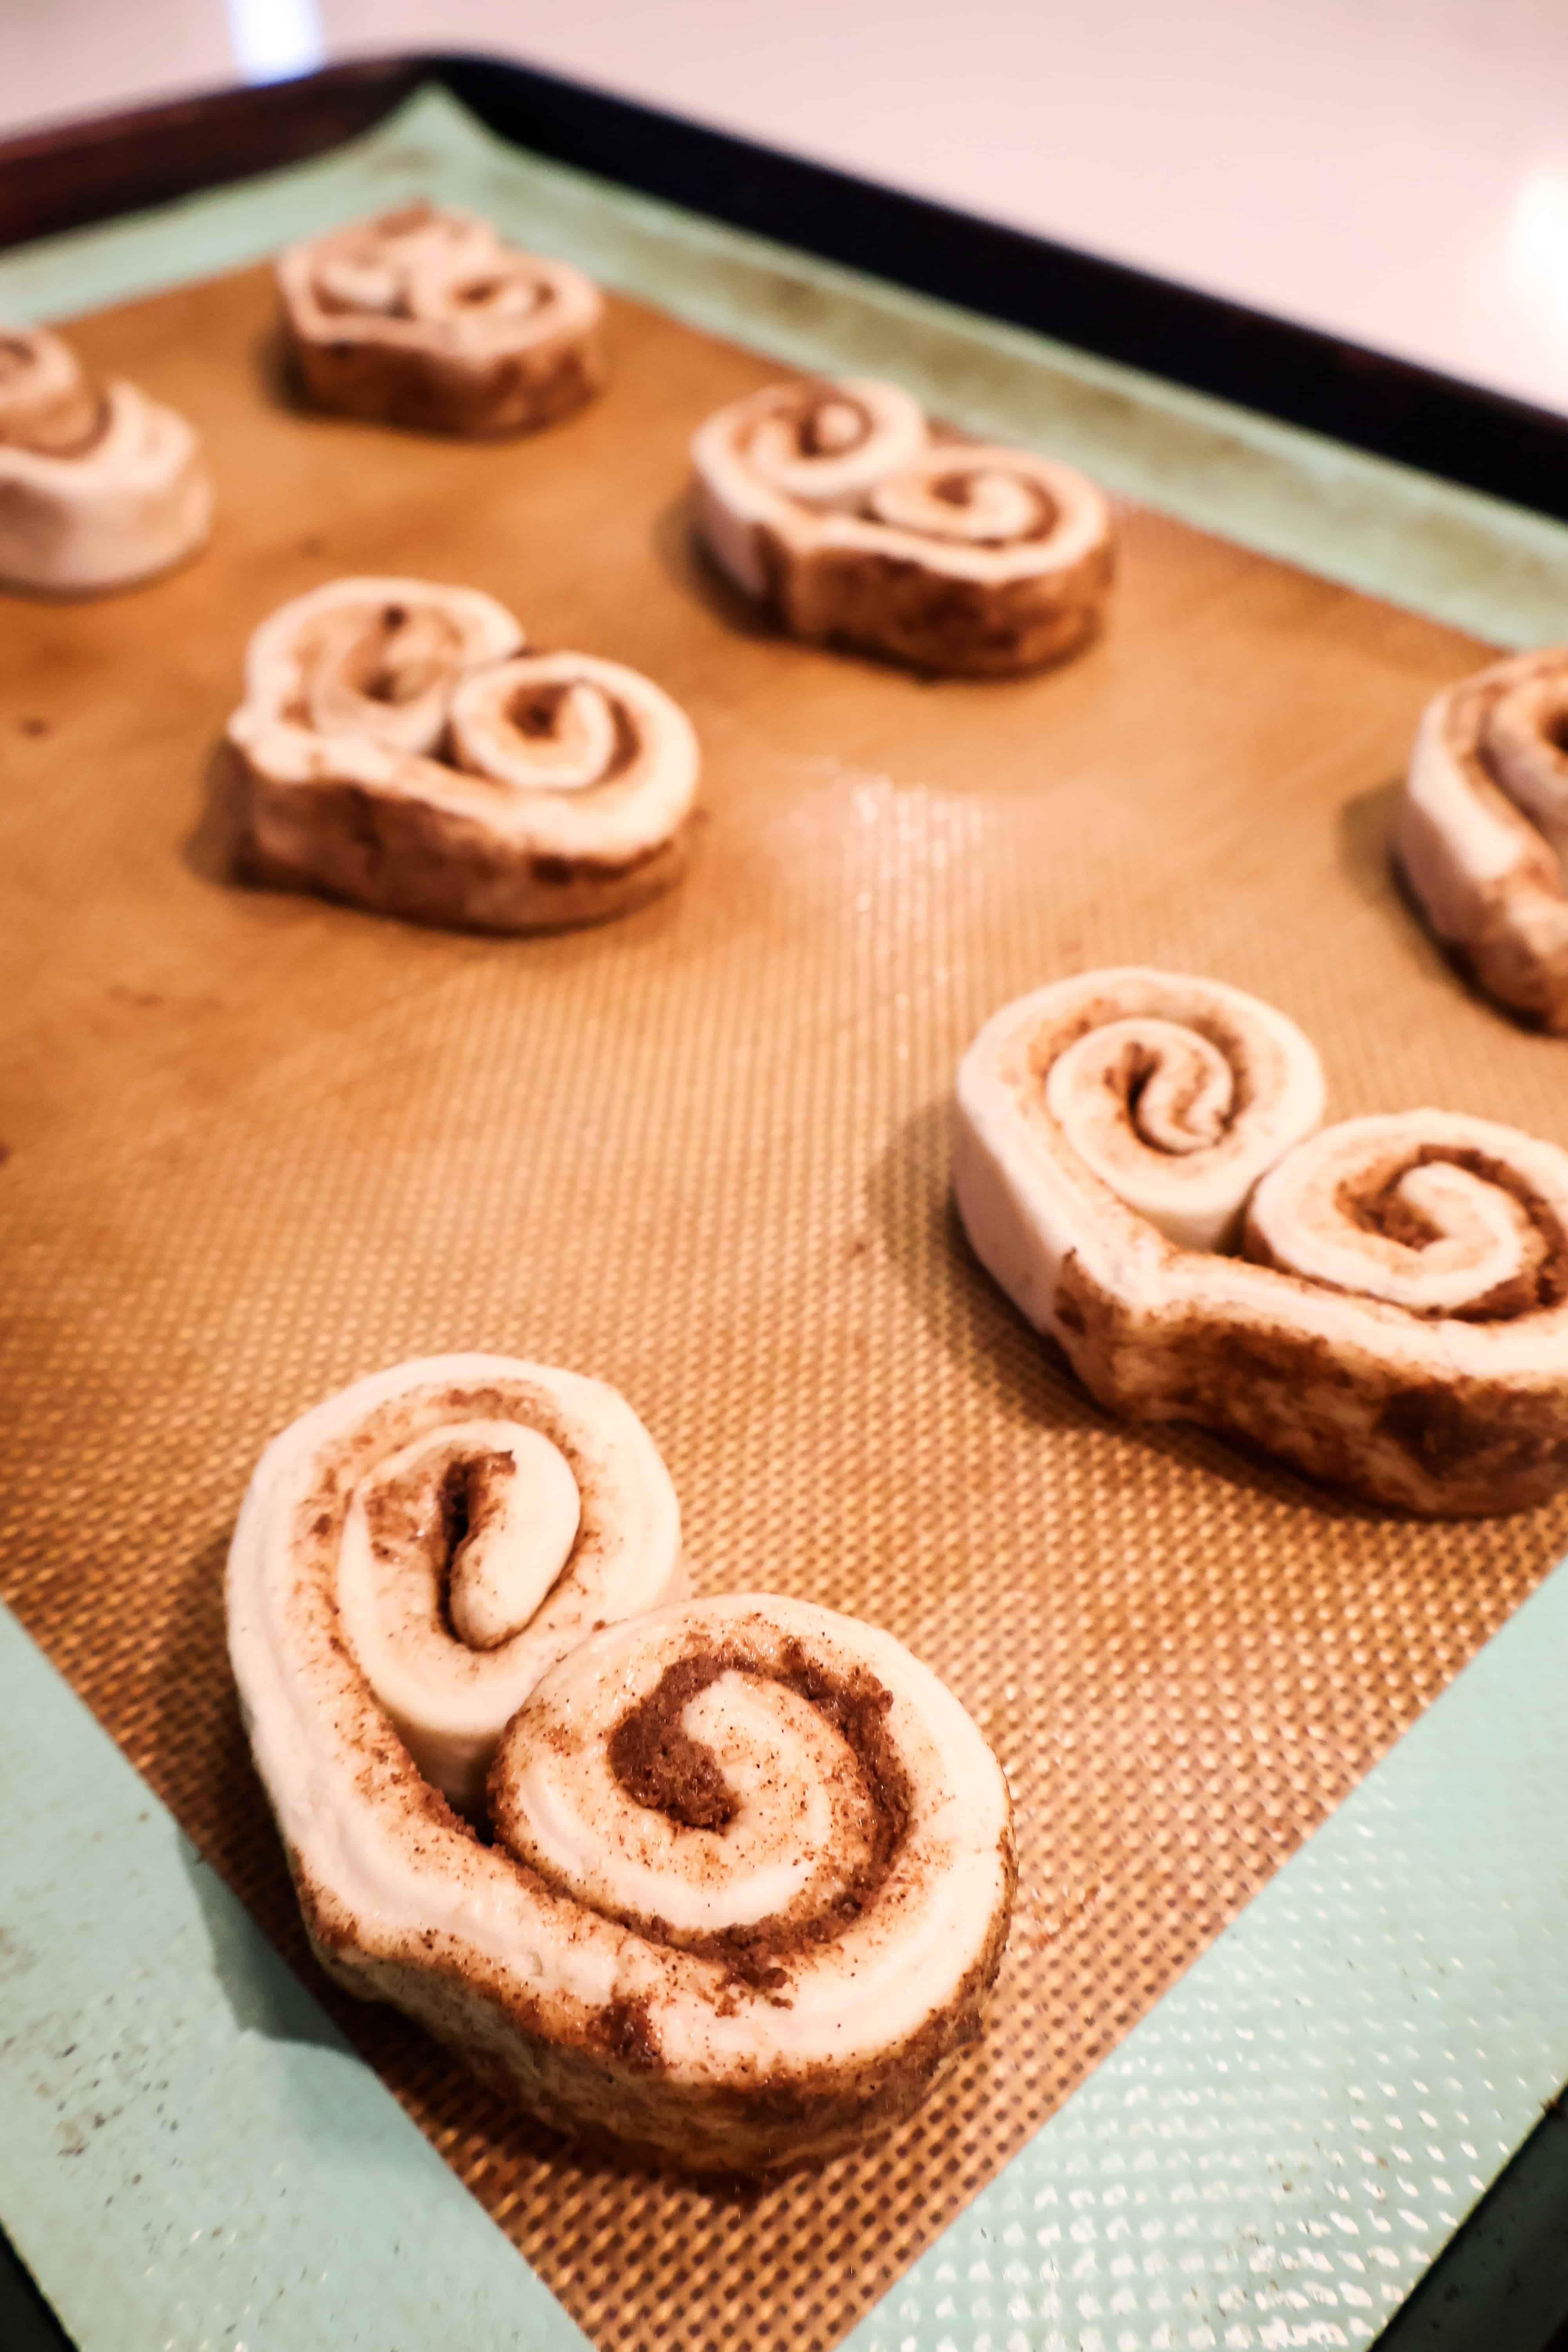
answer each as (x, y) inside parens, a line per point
(399, 748)
(100, 486)
(429, 318)
(745, 1866)
(838, 509)
(1482, 832)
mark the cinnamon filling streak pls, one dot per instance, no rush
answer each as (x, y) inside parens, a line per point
(660, 1765)
(1377, 1206)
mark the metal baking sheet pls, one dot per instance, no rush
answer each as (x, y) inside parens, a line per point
(259, 1144)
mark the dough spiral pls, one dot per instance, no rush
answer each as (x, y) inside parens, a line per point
(463, 1521)
(1483, 828)
(399, 749)
(426, 318)
(1398, 1320)
(835, 504)
(747, 1864)
(1442, 1215)
(99, 485)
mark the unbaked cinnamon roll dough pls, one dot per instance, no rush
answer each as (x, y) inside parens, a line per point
(398, 747)
(1397, 1320)
(838, 508)
(426, 318)
(1483, 829)
(100, 486)
(746, 1865)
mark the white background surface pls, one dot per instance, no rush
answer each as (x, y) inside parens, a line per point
(1394, 170)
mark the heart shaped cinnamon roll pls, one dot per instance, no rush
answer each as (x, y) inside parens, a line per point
(837, 508)
(1397, 1322)
(99, 485)
(743, 1867)
(1483, 828)
(428, 319)
(399, 749)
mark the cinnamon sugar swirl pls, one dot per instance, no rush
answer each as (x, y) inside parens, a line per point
(836, 506)
(425, 318)
(737, 1881)
(99, 485)
(460, 1523)
(400, 748)
(1483, 829)
(1397, 1321)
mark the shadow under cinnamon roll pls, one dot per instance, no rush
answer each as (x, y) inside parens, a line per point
(426, 318)
(746, 1866)
(100, 486)
(399, 749)
(1398, 1320)
(1483, 828)
(836, 506)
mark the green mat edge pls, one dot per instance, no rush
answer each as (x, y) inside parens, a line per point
(122, 1962)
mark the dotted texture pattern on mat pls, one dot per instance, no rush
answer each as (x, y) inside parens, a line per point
(1278, 2151)
(259, 1144)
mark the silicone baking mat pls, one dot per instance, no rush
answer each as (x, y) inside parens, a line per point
(258, 1144)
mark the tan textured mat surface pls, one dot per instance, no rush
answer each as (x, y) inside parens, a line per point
(259, 1144)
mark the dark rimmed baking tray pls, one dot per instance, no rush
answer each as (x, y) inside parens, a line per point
(66, 179)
